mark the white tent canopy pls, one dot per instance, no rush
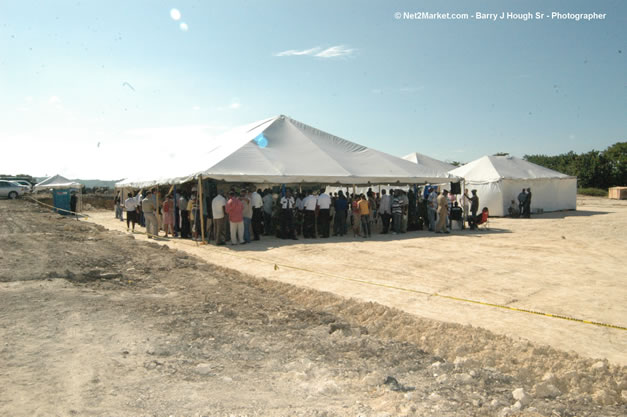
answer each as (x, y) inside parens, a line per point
(428, 162)
(499, 179)
(56, 182)
(281, 150)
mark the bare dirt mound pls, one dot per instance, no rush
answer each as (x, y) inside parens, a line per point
(96, 323)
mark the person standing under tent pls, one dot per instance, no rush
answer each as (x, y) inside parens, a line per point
(405, 219)
(324, 203)
(440, 227)
(235, 210)
(194, 216)
(385, 211)
(364, 213)
(528, 204)
(299, 209)
(287, 216)
(244, 196)
(218, 206)
(341, 205)
(432, 207)
(474, 204)
(168, 215)
(397, 212)
(465, 205)
(184, 216)
(522, 199)
(267, 212)
(148, 207)
(309, 223)
(372, 207)
(257, 203)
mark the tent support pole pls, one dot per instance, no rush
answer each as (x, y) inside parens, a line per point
(202, 210)
(465, 215)
(157, 211)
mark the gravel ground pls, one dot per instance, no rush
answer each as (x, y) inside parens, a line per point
(94, 322)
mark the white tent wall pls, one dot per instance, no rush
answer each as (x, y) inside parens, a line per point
(548, 194)
(490, 195)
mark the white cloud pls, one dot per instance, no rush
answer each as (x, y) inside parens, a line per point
(294, 52)
(54, 100)
(332, 52)
(335, 51)
(196, 108)
(184, 27)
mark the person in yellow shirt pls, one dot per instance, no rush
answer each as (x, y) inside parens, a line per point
(364, 211)
(440, 227)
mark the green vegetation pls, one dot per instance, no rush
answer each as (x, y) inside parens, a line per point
(593, 169)
(595, 192)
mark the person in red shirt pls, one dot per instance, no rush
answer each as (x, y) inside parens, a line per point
(235, 211)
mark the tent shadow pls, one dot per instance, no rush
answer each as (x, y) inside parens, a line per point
(567, 213)
(271, 242)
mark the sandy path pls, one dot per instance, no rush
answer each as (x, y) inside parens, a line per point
(568, 263)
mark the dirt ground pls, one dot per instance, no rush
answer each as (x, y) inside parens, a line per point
(101, 322)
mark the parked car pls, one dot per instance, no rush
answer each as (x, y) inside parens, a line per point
(12, 189)
(25, 183)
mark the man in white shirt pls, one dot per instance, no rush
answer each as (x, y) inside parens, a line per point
(131, 204)
(324, 203)
(257, 203)
(287, 216)
(385, 210)
(309, 228)
(218, 205)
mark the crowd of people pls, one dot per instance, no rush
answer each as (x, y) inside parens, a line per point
(245, 215)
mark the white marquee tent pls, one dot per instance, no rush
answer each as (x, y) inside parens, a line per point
(281, 150)
(56, 182)
(428, 162)
(499, 179)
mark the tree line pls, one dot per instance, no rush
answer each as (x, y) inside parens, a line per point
(594, 169)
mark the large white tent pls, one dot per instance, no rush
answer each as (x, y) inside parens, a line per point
(56, 182)
(428, 162)
(499, 179)
(281, 150)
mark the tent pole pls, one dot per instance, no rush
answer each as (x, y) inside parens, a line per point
(201, 211)
(157, 212)
(465, 215)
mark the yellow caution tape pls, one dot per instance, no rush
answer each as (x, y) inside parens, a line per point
(56, 208)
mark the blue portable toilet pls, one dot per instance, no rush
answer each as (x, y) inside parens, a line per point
(61, 201)
(61, 189)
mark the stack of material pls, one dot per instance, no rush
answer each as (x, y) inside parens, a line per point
(618, 193)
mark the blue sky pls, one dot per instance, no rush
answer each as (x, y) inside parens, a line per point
(103, 89)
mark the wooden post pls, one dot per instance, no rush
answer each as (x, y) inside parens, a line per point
(157, 212)
(201, 210)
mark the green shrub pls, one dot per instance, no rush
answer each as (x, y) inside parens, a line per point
(595, 192)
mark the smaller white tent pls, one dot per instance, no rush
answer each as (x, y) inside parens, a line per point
(499, 179)
(56, 182)
(428, 162)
